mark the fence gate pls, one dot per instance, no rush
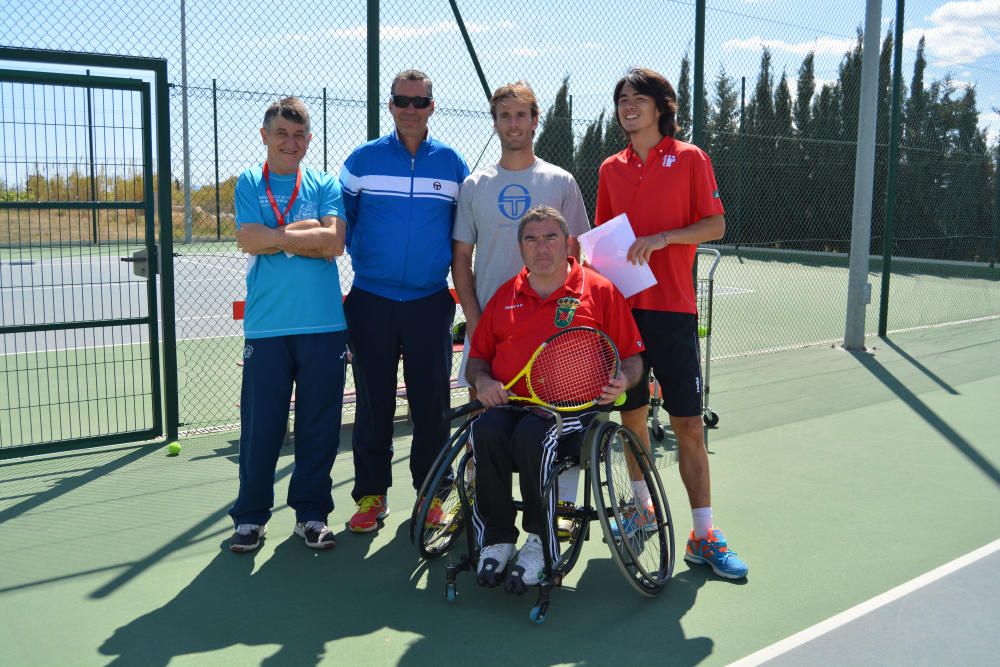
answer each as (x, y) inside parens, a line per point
(79, 354)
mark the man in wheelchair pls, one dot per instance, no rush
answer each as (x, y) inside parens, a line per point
(552, 292)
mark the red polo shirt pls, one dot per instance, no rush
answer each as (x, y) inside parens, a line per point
(673, 189)
(517, 320)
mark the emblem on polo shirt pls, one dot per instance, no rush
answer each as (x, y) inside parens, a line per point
(668, 160)
(514, 201)
(565, 310)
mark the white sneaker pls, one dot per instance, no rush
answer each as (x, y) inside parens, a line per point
(493, 561)
(531, 560)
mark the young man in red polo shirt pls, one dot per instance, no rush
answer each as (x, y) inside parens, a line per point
(551, 292)
(668, 190)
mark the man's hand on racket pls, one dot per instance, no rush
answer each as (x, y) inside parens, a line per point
(490, 392)
(615, 387)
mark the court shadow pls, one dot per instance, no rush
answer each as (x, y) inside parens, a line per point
(297, 599)
(64, 485)
(595, 621)
(905, 394)
(919, 366)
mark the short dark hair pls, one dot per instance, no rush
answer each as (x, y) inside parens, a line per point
(412, 75)
(655, 85)
(520, 91)
(289, 108)
(539, 213)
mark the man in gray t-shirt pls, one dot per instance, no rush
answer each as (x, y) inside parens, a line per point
(492, 201)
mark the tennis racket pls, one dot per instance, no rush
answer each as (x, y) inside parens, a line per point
(567, 372)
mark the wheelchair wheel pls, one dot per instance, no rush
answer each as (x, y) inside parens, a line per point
(571, 548)
(643, 552)
(437, 519)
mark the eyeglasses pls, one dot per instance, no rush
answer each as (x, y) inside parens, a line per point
(418, 102)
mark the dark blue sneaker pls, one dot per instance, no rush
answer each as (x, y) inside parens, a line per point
(714, 552)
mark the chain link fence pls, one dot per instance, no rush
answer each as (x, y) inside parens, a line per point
(780, 103)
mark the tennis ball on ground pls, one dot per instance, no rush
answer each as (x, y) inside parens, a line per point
(174, 448)
(620, 401)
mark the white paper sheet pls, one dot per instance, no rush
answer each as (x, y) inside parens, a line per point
(606, 248)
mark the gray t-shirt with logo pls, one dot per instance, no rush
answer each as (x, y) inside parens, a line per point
(490, 206)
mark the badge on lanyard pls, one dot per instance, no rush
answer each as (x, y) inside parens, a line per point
(278, 214)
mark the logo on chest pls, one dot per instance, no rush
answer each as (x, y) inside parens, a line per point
(668, 160)
(514, 201)
(565, 310)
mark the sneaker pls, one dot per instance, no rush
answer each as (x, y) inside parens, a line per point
(435, 513)
(714, 552)
(371, 510)
(634, 521)
(316, 534)
(530, 564)
(493, 562)
(247, 537)
(565, 524)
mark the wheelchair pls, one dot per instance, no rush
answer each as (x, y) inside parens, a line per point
(609, 456)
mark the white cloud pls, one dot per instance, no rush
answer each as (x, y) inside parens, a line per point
(821, 46)
(960, 32)
(525, 53)
(990, 121)
(395, 33)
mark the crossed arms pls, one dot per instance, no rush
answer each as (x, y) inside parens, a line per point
(321, 239)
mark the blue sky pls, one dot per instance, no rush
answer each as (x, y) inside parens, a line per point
(302, 46)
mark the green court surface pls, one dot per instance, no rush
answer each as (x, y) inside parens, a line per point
(838, 476)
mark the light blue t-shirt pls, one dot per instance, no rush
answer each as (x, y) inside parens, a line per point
(289, 294)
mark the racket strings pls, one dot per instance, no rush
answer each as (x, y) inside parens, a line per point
(573, 368)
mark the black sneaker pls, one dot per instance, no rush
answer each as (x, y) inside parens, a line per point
(316, 535)
(247, 537)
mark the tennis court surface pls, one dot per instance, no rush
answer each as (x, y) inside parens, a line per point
(839, 477)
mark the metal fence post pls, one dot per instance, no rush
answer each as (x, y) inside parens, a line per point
(698, 99)
(91, 139)
(215, 134)
(858, 287)
(373, 68)
(472, 51)
(324, 128)
(996, 212)
(185, 135)
(890, 204)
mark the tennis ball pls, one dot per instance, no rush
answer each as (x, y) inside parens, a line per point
(702, 331)
(620, 401)
(174, 448)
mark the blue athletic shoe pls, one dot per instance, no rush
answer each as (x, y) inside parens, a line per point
(634, 521)
(714, 552)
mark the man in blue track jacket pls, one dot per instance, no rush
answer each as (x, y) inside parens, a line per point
(399, 199)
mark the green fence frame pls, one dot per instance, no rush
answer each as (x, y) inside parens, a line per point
(160, 257)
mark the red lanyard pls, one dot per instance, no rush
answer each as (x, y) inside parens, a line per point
(270, 195)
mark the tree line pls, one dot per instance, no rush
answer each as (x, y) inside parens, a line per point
(785, 163)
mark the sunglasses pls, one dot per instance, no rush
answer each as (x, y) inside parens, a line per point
(418, 102)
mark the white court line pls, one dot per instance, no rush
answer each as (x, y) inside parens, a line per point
(868, 606)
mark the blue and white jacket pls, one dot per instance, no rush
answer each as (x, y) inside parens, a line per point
(399, 210)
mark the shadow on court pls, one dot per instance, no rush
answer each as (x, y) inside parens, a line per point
(905, 394)
(299, 600)
(67, 484)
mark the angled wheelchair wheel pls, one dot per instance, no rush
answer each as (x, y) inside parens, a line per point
(642, 548)
(437, 520)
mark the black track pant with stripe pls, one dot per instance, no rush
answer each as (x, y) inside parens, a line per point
(506, 441)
